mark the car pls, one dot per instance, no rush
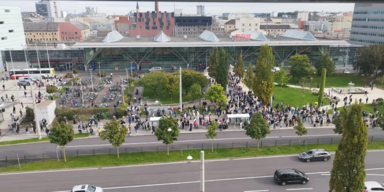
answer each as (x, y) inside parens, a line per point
(86, 188)
(155, 69)
(276, 69)
(23, 82)
(345, 71)
(315, 155)
(290, 176)
(379, 99)
(371, 186)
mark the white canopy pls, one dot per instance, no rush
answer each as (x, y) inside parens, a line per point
(231, 116)
(154, 119)
(113, 36)
(161, 37)
(209, 36)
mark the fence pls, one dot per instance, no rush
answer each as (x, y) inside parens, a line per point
(70, 151)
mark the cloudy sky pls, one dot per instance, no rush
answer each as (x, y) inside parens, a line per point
(188, 8)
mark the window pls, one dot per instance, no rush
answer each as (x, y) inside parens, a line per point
(75, 33)
(4, 38)
(7, 10)
(11, 30)
(1, 22)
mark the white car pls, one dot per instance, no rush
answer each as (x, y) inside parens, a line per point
(276, 69)
(345, 71)
(86, 188)
(155, 69)
(372, 186)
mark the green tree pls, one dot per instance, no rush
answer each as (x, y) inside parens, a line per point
(348, 171)
(171, 84)
(154, 80)
(324, 61)
(258, 128)
(216, 93)
(190, 77)
(195, 91)
(380, 122)
(239, 67)
(213, 63)
(282, 77)
(248, 79)
(339, 119)
(61, 134)
(167, 131)
(300, 67)
(322, 85)
(222, 69)
(370, 60)
(300, 129)
(263, 82)
(212, 131)
(114, 133)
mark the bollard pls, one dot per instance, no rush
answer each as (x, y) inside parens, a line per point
(317, 141)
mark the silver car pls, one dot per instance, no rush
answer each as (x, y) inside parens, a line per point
(86, 188)
(315, 155)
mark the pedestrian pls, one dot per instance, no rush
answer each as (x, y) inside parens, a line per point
(153, 129)
(25, 94)
(99, 131)
(12, 117)
(47, 132)
(22, 104)
(366, 100)
(14, 109)
(21, 113)
(3, 87)
(26, 130)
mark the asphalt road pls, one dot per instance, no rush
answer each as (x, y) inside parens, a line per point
(186, 141)
(237, 175)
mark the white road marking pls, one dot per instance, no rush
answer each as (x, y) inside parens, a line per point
(375, 175)
(299, 189)
(294, 136)
(328, 174)
(51, 171)
(257, 190)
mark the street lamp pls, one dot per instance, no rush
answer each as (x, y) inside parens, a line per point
(99, 71)
(13, 67)
(38, 60)
(122, 89)
(126, 71)
(311, 83)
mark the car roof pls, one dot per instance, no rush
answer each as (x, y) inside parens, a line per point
(286, 170)
(79, 187)
(371, 184)
(318, 150)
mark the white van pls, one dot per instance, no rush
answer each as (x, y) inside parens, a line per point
(155, 69)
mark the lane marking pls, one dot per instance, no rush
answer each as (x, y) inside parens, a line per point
(50, 171)
(375, 175)
(299, 189)
(257, 190)
(293, 136)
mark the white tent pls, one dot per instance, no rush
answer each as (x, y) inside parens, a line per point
(297, 34)
(161, 37)
(209, 36)
(113, 36)
(256, 36)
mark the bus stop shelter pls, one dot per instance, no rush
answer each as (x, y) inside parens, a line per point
(154, 119)
(241, 117)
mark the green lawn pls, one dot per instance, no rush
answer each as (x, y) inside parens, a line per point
(161, 157)
(367, 107)
(293, 96)
(339, 80)
(162, 96)
(44, 139)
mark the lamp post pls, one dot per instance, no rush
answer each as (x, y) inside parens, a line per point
(126, 71)
(99, 71)
(131, 68)
(311, 83)
(92, 79)
(122, 89)
(46, 47)
(181, 93)
(202, 182)
(13, 67)
(38, 60)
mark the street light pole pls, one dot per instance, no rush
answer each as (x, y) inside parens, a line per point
(38, 60)
(122, 89)
(202, 182)
(13, 67)
(92, 80)
(99, 71)
(126, 71)
(131, 68)
(46, 47)
(181, 93)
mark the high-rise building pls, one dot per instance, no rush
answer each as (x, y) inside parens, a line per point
(367, 24)
(200, 10)
(11, 31)
(303, 16)
(47, 8)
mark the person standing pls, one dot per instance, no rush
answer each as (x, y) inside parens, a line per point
(99, 131)
(14, 109)
(21, 113)
(47, 132)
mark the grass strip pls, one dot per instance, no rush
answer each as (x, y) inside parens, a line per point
(33, 140)
(161, 157)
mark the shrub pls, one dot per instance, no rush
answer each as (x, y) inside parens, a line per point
(135, 74)
(75, 71)
(381, 102)
(30, 115)
(51, 89)
(103, 74)
(68, 114)
(68, 75)
(75, 79)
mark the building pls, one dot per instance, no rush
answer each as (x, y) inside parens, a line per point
(178, 12)
(47, 8)
(274, 14)
(239, 15)
(11, 31)
(248, 24)
(334, 27)
(274, 29)
(229, 26)
(200, 9)
(122, 24)
(225, 15)
(368, 24)
(192, 25)
(303, 15)
(55, 32)
(84, 30)
(64, 14)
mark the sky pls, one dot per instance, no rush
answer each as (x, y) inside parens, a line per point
(122, 8)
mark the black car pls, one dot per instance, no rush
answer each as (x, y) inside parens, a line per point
(290, 176)
(315, 155)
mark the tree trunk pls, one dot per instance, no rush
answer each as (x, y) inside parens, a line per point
(65, 159)
(167, 149)
(258, 143)
(118, 155)
(212, 145)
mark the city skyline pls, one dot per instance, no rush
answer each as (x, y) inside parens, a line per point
(122, 8)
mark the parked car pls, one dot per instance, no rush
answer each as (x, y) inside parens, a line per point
(379, 99)
(86, 188)
(276, 69)
(290, 176)
(315, 155)
(371, 186)
(23, 82)
(155, 69)
(345, 71)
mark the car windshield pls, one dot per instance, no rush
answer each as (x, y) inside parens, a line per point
(91, 189)
(309, 152)
(299, 173)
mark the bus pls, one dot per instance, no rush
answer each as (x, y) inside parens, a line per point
(32, 73)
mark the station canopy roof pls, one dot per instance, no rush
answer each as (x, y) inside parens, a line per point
(256, 36)
(113, 36)
(161, 37)
(208, 36)
(297, 34)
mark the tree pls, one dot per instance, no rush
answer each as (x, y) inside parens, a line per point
(190, 77)
(171, 84)
(348, 171)
(195, 91)
(239, 67)
(324, 61)
(300, 67)
(281, 77)
(212, 131)
(115, 133)
(167, 131)
(154, 80)
(370, 60)
(380, 122)
(339, 119)
(263, 80)
(222, 69)
(213, 63)
(248, 79)
(322, 85)
(258, 128)
(300, 129)
(216, 93)
(61, 134)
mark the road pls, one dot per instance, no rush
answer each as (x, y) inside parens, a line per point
(237, 175)
(186, 141)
